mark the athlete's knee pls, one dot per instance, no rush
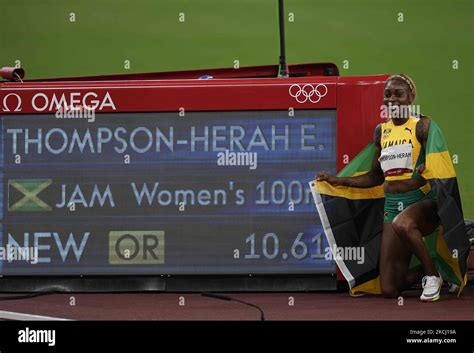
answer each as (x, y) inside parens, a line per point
(403, 226)
(390, 291)
(388, 286)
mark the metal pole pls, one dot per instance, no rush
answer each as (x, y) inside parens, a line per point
(283, 67)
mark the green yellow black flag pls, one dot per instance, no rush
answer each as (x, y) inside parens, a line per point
(23, 195)
(353, 217)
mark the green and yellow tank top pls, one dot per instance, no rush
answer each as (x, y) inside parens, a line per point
(401, 152)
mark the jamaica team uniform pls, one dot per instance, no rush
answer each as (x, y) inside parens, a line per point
(401, 154)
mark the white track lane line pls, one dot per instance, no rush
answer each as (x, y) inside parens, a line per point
(10, 315)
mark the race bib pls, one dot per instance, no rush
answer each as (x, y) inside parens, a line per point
(396, 160)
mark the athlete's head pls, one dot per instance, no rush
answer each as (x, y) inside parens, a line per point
(399, 91)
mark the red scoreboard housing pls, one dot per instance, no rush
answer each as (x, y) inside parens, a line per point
(357, 99)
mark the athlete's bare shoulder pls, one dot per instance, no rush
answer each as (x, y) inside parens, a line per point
(377, 134)
(423, 128)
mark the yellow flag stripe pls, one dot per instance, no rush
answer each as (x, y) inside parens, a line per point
(372, 287)
(446, 255)
(439, 166)
(347, 192)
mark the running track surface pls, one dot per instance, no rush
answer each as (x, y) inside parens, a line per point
(307, 306)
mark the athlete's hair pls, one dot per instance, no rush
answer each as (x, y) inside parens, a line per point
(407, 80)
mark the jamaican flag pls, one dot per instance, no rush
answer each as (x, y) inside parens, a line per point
(353, 217)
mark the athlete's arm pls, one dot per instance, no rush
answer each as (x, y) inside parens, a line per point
(422, 130)
(373, 178)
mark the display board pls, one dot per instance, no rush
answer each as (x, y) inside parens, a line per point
(166, 193)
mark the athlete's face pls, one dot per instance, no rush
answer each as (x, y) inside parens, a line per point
(397, 99)
(397, 93)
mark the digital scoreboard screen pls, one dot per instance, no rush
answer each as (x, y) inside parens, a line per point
(165, 193)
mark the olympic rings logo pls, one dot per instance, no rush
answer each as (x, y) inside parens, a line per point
(308, 92)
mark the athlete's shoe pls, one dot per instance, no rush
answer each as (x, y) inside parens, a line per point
(431, 288)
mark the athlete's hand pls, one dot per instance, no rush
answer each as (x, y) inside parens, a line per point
(421, 168)
(325, 176)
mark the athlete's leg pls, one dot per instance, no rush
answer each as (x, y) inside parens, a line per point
(414, 275)
(393, 264)
(412, 224)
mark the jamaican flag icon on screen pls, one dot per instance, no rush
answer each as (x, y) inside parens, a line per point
(29, 195)
(353, 217)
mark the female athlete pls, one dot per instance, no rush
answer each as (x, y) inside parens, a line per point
(410, 210)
